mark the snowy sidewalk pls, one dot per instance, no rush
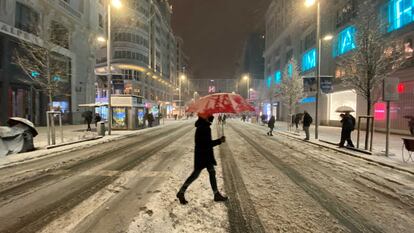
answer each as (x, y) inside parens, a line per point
(72, 133)
(332, 135)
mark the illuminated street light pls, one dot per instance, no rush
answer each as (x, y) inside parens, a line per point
(328, 37)
(309, 3)
(117, 4)
(182, 77)
(101, 39)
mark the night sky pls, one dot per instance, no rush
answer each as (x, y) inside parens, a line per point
(214, 32)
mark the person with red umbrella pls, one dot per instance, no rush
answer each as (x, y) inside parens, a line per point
(203, 157)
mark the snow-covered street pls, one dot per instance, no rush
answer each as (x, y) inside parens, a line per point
(275, 184)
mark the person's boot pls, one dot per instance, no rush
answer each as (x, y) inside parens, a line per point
(219, 198)
(181, 198)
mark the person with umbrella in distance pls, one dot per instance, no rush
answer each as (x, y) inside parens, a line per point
(203, 157)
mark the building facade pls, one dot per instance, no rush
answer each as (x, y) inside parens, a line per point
(28, 20)
(291, 33)
(143, 55)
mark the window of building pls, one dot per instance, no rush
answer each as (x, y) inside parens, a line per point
(346, 13)
(310, 40)
(309, 60)
(345, 41)
(100, 21)
(26, 19)
(59, 34)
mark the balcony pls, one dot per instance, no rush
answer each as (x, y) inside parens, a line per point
(69, 9)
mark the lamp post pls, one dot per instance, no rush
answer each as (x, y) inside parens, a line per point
(247, 78)
(182, 77)
(309, 3)
(116, 4)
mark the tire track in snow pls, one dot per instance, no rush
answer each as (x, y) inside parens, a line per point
(242, 214)
(345, 214)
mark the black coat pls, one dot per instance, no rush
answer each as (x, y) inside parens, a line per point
(271, 123)
(307, 120)
(348, 123)
(203, 152)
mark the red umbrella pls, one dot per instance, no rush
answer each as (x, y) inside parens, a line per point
(221, 103)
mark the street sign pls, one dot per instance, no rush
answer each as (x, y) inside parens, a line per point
(309, 84)
(326, 84)
(390, 89)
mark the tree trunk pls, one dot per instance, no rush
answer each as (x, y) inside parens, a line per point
(49, 83)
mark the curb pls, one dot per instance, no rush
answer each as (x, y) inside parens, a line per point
(48, 152)
(349, 153)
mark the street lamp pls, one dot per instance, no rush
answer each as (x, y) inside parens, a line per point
(247, 78)
(309, 3)
(182, 77)
(117, 4)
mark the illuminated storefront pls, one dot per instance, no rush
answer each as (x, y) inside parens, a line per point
(399, 109)
(338, 99)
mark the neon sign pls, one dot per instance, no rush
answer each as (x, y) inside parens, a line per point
(290, 70)
(278, 77)
(309, 60)
(345, 41)
(400, 13)
(269, 81)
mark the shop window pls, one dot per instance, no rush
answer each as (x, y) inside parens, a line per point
(26, 19)
(408, 48)
(338, 99)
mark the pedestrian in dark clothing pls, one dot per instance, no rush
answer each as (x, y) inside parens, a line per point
(88, 115)
(203, 157)
(307, 121)
(223, 119)
(150, 119)
(271, 125)
(98, 118)
(298, 118)
(348, 125)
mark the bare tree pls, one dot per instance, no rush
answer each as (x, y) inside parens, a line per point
(291, 90)
(375, 57)
(43, 63)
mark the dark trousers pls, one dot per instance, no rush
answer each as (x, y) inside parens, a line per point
(270, 131)
(195, 175)
(346, 136)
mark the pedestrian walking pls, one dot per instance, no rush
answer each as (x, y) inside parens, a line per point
(271, 125)
(307, 121)
(348, 125)
(87, 115)
(203, 157)
(223, 119)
